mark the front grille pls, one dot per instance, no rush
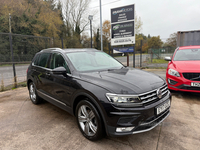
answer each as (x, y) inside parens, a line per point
(149, 125)
(189, 88)
(151, 97)
(192, 76)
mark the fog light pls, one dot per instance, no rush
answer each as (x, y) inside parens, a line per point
(124, 129)
(172, 82)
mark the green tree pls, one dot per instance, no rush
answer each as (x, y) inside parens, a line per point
(86, 40)
(145, 47)
(155, 42)
(140, 37)
(149, 36)
(172, 40)
(29, 17)
(106, 28)
(96, 39)
(34, 17)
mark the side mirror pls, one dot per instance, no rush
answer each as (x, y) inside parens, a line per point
(168, 58)
(59, 70)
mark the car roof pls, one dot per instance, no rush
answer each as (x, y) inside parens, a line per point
(80, 50)
(69, 50)
(190, 47)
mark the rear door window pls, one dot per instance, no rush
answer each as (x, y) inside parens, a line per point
(36, 60)
(43, 61)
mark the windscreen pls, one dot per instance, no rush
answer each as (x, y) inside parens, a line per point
(93, 61)
(187, 55)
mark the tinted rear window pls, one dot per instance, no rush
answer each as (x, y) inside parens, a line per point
(43, 61)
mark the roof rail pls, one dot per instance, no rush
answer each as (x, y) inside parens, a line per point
(56, 48)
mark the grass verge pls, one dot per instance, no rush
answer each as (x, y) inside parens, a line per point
(153, 68)
(158, 61)
(8, 65)
(10, 87)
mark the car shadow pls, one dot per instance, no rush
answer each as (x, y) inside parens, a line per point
(188, 97)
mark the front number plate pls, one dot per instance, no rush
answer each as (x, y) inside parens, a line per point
(195, 84)
(163, 107)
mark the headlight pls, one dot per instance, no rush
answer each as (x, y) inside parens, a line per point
(173, 72)
(124, 100)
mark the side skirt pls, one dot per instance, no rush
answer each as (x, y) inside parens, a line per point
(55, 102)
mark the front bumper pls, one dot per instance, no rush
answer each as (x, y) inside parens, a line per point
(152, 124)
(181, 84)
(142, 119)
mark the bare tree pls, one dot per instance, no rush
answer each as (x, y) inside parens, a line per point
(106, 29)
(76, 15)
(138, 24)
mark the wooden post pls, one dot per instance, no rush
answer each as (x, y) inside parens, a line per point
(127, 59)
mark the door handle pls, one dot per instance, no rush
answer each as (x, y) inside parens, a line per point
(48, 74)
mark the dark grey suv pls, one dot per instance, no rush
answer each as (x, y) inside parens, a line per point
(105, 96)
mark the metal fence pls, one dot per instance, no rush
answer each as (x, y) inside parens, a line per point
(23, 47)
(147, 60)
(17, 51)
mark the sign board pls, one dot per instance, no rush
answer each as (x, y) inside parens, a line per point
(122, 25)
(123, 33)
(121, 14)
(124, 49)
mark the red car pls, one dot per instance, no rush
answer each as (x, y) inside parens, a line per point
(183, 71)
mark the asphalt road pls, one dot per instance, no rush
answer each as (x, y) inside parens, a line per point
(123, 60)
(6, 74)
(159, 72)
(46, 127)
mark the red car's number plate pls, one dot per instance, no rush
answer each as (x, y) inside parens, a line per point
(195, 84)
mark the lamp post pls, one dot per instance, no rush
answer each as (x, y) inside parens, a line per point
(101, 25)
(12, 56)
(90, 17)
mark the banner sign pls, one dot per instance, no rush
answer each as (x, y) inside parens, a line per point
(121, 14)
(123, 33)
(124, 49)
(122, 25)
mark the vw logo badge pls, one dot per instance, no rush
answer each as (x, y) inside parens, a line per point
(159, 93)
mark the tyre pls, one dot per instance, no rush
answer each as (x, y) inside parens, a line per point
(33, 94)
(89, 121)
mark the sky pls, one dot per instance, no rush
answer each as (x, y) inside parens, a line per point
(159, 17)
